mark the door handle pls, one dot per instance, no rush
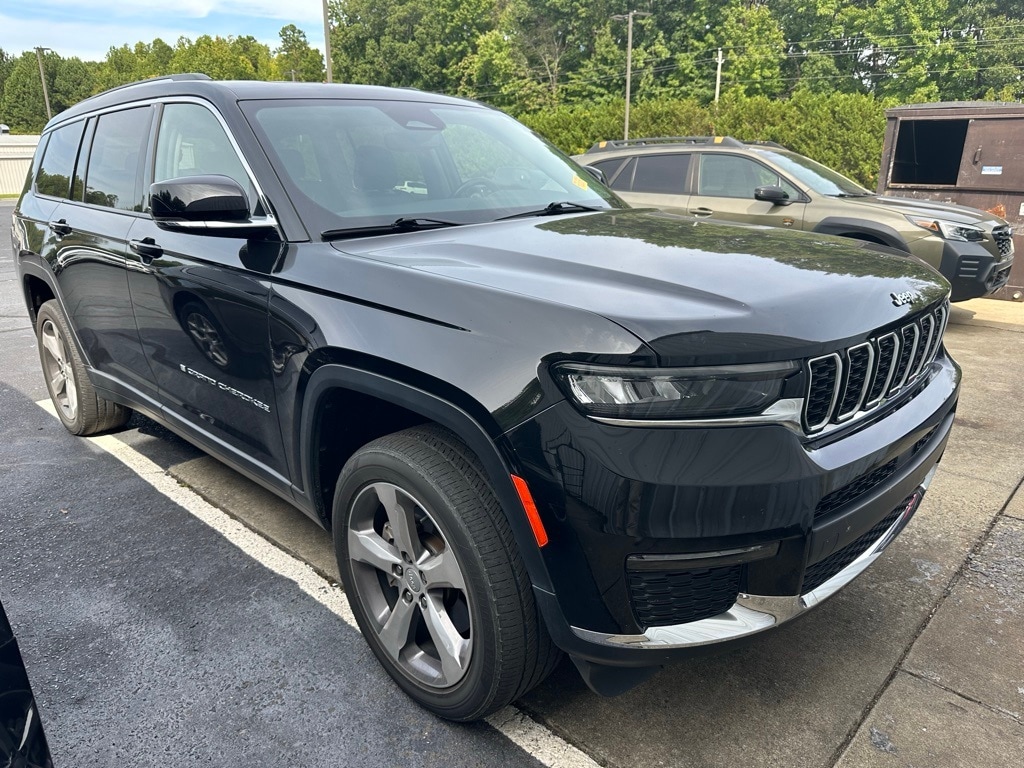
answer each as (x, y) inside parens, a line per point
(60, 228)
(146, 248)
(701, 213)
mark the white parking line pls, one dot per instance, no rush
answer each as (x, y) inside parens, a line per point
(536, 740)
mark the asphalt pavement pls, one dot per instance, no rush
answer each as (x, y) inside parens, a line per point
(152, 639)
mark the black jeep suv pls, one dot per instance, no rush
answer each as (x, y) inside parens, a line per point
(533, 419)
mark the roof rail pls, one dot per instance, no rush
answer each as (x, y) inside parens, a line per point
(772, 144)
(159, 79)
(606, 146)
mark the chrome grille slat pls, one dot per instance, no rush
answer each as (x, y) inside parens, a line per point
(844, 385)
(888, 348)
(828, 371)
(909, 336)
(859, 360)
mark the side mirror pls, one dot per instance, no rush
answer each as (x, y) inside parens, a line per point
(210, 205)
(597, 173)
(772, 194)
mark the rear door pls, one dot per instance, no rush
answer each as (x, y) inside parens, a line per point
(654, 181)
(725, 187)
(90, 230)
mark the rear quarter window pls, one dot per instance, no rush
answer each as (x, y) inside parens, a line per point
(59, 159)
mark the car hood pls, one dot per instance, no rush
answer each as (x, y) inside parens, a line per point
(931, 209)
(692, 290)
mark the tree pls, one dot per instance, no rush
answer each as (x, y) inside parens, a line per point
(22, 105)
(296, 60)
(753, 43)
(224, 58)
(410, 43)
(129, 64)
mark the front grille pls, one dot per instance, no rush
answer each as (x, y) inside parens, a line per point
(1004, 239)
(662, 598)
(846, 384)
(823, 570)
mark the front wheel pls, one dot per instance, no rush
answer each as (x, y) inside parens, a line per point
(80, 409)
(433, 575)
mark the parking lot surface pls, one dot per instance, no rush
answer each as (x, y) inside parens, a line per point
(172, 613)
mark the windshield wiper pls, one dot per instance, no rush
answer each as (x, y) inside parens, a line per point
(553, 209)
(402, 224)
(853, 194)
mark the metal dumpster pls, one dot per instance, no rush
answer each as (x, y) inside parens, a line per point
(970, 153)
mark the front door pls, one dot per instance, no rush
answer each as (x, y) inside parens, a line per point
(200, 309)
(725, 191)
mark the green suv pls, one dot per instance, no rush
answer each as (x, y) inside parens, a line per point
(763, 183)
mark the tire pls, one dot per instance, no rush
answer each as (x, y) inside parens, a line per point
(80, 409)
(434, 577)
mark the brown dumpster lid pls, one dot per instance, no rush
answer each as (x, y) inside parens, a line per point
(986, 107)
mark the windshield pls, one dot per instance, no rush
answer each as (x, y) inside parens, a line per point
(360, 164)
(818, 177)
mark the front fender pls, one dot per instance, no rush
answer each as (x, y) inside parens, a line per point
(497, 464)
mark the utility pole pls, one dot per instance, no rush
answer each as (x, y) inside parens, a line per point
(327, 44)
(629, 59)
(42, 78)
(718, 76)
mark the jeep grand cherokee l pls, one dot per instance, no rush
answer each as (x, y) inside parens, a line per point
(535, 421)
(763, 183)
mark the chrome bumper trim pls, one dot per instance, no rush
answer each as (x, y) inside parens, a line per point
(751, 614)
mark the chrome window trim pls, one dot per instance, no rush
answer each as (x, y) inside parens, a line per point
(262, 199)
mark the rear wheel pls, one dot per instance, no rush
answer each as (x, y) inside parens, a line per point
(434, 577)
(80, 409)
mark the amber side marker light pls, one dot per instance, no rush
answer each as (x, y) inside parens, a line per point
(531, 510)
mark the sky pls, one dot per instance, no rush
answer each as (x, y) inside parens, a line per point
(89, 28)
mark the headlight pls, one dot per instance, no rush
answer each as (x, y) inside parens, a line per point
(950, 230)
(673, 393)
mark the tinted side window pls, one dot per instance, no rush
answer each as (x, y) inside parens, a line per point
(731, 176)
(665, 174)
(118, 147)
(193, 143)
(608, 167)
(59, 157)
(623, 179)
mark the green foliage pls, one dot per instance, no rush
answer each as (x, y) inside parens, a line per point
(296, 60)
(224, 58)
(22, 106)
(843, 130)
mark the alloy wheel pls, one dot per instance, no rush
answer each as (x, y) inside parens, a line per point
(411, 585)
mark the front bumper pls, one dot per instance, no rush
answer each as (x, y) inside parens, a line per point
(751, 614)
(791, 519)
(974, 271)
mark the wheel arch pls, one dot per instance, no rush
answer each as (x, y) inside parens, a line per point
(401, 405)
(861, 229)
(37, 291)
